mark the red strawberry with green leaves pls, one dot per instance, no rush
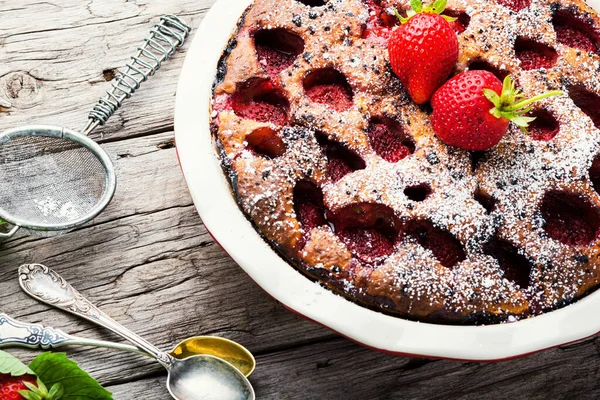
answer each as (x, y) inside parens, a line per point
(423, 51)
(473, 110)
(10, 386)
(27, 387)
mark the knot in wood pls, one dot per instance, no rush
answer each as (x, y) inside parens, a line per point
(21, 89)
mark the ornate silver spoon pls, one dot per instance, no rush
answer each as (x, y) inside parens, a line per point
(15, 333)
(194, 378)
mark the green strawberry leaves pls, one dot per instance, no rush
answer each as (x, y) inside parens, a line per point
(522, 122)
(495, 99)
(67, 381)
(438, 6)
(511, 104)
(39, 391)
(449, 18)
(54, 368)
(10, 365)
(417, 7)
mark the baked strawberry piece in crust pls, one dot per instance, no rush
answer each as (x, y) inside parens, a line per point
(544, 127)
(534, 55)
(276, 49)
(389, 140)
(515, 5)
(381, 22)
(438, 234)
(330, 87)
(576, 31)
(261, 101)
(341, 161)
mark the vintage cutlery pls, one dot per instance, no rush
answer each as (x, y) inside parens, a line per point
(54, 179)
(14, 333)
(194, 378)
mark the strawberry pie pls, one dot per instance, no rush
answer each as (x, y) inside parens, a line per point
(364, 185)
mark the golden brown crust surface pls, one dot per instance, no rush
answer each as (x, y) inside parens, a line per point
(517, 173)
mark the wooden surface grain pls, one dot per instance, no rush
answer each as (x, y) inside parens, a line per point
(149, 262)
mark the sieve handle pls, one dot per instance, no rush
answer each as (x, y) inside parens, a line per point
(10, 233)
(165, 38)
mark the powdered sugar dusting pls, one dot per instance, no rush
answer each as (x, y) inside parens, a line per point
(516, 174)
(50, 207)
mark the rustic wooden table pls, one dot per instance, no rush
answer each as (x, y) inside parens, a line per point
(148, 260)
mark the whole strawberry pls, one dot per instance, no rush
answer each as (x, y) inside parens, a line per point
(11, 385)
(27, 387)
(423, 50)
(473, 110)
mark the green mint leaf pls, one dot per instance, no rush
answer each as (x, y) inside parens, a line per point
(53, 368)
(2, 222)
(10, 365)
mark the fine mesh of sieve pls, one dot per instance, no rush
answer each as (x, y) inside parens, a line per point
(49, 180)
(53, 179)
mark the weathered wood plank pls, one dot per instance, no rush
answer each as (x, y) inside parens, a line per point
(149, 262)
(153, 389)
(338, 369)
(53, 69)
(149, 179)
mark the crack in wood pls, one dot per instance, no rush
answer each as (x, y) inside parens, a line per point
(67, 28)
(149, 251)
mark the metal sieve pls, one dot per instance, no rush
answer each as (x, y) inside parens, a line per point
(53, 179)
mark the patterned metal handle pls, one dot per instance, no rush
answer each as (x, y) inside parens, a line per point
(165, 38)
(45, 285)
(15, 333)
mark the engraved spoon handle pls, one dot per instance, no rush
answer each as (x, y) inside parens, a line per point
(15, 333)
(45, 285)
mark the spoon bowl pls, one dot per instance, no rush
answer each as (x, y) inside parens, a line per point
(188, 377)
(225, 349)
(23, 334)
(194, 378)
